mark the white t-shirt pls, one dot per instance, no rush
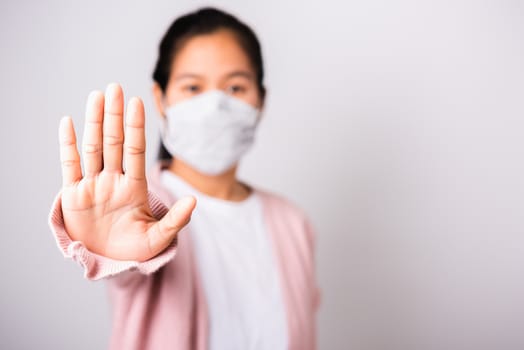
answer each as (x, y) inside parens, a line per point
(238, 270)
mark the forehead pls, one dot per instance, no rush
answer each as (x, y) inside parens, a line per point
(211, 55)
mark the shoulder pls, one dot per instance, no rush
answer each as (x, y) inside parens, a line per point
(286, 212)
(279, 202)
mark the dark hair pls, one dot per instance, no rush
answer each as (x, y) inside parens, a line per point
(204, 21)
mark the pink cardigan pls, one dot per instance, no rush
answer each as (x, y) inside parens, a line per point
(160, 303)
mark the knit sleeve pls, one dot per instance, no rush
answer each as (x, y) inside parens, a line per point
(96, 266)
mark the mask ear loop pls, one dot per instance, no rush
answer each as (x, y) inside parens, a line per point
(164, 127)
(258, 117)
(164, 106)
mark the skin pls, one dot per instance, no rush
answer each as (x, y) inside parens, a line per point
(108, 209)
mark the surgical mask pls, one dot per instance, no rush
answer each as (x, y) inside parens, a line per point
(210, 131)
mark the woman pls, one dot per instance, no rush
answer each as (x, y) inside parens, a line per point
(240, 275)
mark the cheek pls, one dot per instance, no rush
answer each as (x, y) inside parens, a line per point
(253, 98)
(176, 95)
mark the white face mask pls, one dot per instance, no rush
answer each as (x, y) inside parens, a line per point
(210, 131)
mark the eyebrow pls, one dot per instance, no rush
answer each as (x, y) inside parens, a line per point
(186, 75)
(238, 73)
(241, 73)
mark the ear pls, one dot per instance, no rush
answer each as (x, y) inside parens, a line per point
(158, 96)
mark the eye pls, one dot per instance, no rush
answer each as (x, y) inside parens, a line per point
(191, 88)
(236, 89)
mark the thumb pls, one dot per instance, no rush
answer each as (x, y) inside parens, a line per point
(165, 230)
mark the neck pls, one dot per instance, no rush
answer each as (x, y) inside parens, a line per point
(223, 186)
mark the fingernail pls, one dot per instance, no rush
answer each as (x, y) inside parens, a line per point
(184, 203)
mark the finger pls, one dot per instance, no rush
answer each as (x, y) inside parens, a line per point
(69, 157)
(92, 141)
(164, 231)
(135, 141)
(113, 128)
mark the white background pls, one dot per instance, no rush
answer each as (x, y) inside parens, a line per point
(397, 125)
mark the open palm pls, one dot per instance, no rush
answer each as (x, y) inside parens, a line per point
(107, 208)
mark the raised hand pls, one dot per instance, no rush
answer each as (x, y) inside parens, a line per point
(107, 208)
